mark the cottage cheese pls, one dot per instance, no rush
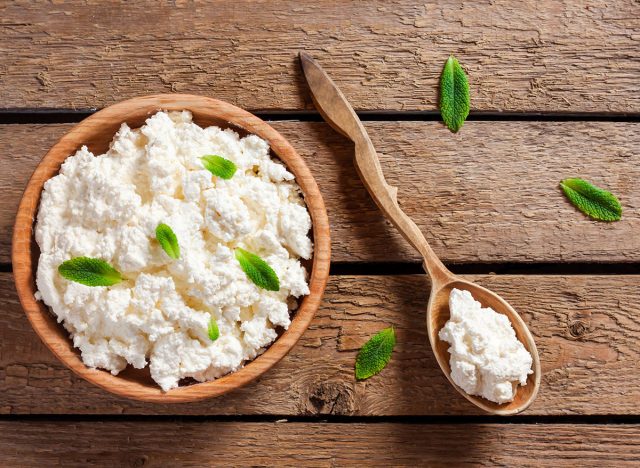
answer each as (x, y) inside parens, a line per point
(108, 207)
(486, 357)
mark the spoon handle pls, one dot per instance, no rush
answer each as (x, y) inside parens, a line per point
(385, 196)
(337, 111)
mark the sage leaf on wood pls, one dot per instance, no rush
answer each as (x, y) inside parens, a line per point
(375, 354)
(591, 200)
(454, 95)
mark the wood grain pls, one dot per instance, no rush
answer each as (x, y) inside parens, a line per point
(96, 132)
(586, 328)
(168, 443)
(488, 194)
(530, 56)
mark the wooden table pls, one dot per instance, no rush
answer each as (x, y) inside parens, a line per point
(555, 93)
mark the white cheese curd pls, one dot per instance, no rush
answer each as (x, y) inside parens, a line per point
(486, 357)
(108, 207)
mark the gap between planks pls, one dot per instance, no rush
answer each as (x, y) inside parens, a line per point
(406, 268)
(45, 116)
(330, 419)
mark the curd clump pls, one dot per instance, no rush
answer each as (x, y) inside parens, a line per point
(487, 359)
(108, 207)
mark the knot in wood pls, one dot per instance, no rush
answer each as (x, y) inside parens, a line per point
(331, 398)
(139, 461)
(577, 329)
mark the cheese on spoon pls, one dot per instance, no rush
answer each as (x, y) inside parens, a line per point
(486, 357)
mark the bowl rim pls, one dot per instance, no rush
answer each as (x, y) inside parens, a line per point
(53, 334)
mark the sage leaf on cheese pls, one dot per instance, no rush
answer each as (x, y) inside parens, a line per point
(375, 354)
(454, 95)
(257, 270)
(219, 166)
(89, 271)
(213, 330)
(168, 241)
(591, 200)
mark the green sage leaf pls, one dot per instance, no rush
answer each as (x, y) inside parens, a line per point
(258, 271)
(219, 166)
(454, 95)
(168, 241)
(375, 354)
(591, 200)
(213, 330)
(89, 271)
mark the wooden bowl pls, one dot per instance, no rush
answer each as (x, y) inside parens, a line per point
(96, 132)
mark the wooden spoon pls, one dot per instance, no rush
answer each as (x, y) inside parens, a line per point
(337, 111)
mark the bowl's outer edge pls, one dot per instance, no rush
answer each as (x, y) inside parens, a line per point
(53, 334)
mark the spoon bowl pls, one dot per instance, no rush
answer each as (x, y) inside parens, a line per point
(438, 315)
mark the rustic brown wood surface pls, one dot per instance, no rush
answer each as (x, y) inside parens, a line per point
(144, 443)
(582, 326)
(488, 194)
(554, 94)
(387, 55)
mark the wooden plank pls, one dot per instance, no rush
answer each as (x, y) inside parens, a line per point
(488, 194)
(162, 443)
(586, 328)
(531, 56)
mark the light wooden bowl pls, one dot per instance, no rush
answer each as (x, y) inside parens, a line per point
(96, 132)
